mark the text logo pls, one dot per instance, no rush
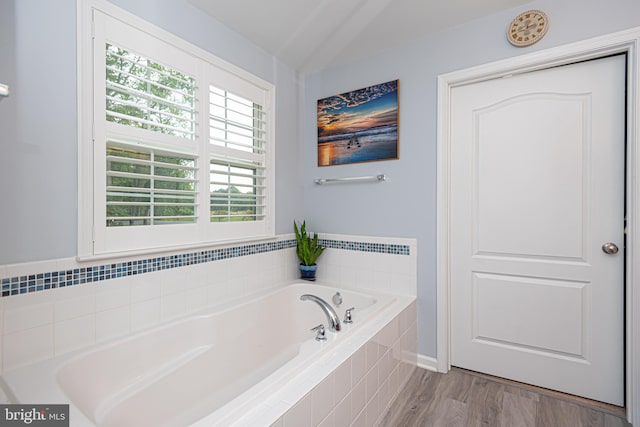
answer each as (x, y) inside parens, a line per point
(34, 415)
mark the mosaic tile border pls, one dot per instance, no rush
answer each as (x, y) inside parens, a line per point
(383, 248)
(60, 279)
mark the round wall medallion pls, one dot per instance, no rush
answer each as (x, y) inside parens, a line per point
(527, 28)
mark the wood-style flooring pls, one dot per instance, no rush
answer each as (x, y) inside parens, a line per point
(465, 399)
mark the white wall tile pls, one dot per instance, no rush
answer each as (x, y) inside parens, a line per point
(361, 421)
(196, 299)
(145, 314)
(146, 290)
(30, 299)
(358, 365)
(74, 307)
(199, 275)
(372, 382)
(342, 380)
(322, 400)
(113, 294)
(215, 273)
(175, 280)
(372, 354)
(27, 346)
(358, 398)
(113, 323)
(74, 333)
(300, 414)
(342, 412)
(328, 421)
(373, 410)
(27, 317)
(385, 395)
(172, 306)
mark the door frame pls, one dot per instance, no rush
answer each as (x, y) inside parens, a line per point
(621, 42)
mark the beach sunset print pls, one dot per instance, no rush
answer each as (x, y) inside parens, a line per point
(359, 126)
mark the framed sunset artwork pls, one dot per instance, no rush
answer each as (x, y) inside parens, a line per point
(359, 126)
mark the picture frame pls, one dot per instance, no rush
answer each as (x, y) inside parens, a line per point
(359, 126)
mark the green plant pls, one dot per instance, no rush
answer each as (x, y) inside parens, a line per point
(308, 249)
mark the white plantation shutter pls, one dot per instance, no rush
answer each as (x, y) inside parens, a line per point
(181, 144)
(237, 138)
(144, 94)
(236, 122)
(149, 187)
(237, 190)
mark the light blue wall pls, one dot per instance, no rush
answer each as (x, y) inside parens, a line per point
(37, 130)
(38, 161)
(405, 206)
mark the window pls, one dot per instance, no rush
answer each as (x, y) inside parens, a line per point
(182, 143)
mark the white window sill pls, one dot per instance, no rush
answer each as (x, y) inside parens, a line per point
(174, 249)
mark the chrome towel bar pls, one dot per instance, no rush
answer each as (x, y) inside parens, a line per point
(373, 178)
(4, 90)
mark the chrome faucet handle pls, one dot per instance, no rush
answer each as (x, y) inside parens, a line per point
(319, 330)
(347, 315)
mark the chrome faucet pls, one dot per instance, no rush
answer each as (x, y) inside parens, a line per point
(332, 316)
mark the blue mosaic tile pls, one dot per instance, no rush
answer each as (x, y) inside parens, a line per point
(99, 273)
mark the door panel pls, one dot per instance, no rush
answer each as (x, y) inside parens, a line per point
(537, 187)
(536, 198)
(560, 331)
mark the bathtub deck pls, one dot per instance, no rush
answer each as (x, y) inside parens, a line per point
(462, 398)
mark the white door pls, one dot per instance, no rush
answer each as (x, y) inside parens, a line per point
(537, 188)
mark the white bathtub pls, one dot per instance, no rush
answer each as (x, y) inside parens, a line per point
(212, 368)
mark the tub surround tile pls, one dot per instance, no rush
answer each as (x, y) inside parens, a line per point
(196, 299)
(127, 295)
(145, 287)
(113, 296)
(20, 279)
(322, 400)
(358, 398)
(28, 346)
(173, 307)
(328, 421)
(28, 317)
(358, 365)
(75, 307)
(145, 314)
(372, 354)
(342, 380)
(74, 334)
(342, 412)
(392, 359)
(300, 414)
(372, 382)
(360, 421)
(113, 323)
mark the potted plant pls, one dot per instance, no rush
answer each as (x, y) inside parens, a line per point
(308, 250)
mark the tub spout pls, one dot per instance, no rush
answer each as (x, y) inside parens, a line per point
(332, 316)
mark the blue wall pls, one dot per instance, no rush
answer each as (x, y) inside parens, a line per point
(38, 130)
(38, 136)
(405, 206)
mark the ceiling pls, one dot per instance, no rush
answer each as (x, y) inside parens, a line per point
(310, 35)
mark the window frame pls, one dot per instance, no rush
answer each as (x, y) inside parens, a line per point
(95, 239)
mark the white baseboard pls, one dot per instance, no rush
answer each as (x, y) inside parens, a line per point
(427, 362)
